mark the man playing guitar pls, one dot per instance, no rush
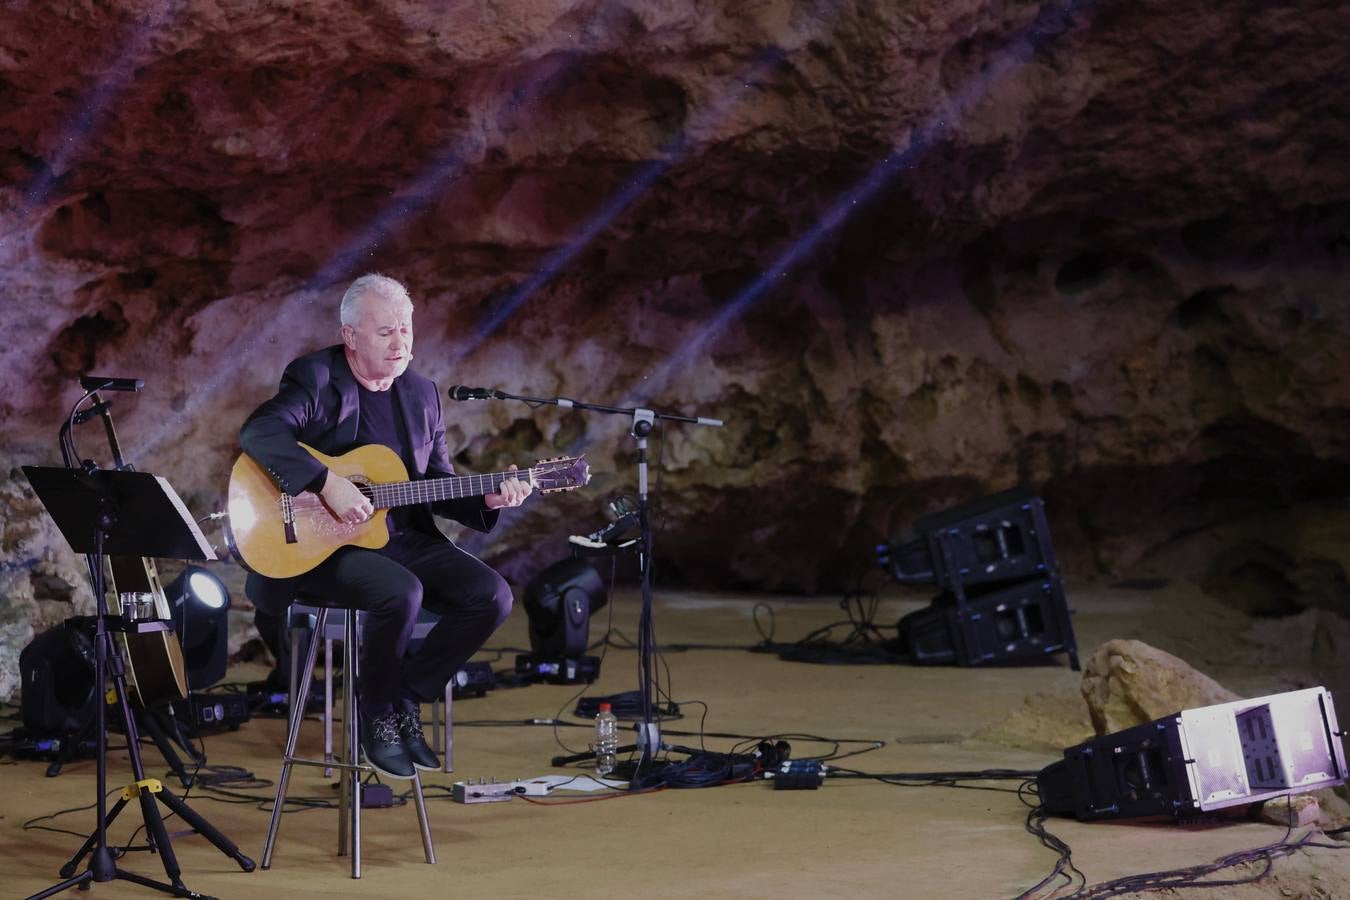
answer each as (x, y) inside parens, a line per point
(361, 392)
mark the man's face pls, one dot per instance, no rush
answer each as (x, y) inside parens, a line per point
(380, 344)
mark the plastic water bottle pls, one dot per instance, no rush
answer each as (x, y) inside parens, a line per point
(606, 740)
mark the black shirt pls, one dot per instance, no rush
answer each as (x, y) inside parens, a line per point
(381, 422)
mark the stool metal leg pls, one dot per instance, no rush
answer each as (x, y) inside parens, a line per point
(436, 727)
(343, 796)
(423, 822)
(295, 661)
(297, 715)
(344, 785)
(351, 654)
(328, 706)
(448, 760)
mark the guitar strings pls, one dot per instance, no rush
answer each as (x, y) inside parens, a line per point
(398, 493)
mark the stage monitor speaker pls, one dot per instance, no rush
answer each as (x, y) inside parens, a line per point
(1208, 758)
(56, 691)
(1002, 600)
(996, 539)
(1019, 623)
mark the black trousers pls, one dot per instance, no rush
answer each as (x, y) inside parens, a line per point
(413, 571)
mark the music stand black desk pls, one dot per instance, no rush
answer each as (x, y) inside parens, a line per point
(127, 514)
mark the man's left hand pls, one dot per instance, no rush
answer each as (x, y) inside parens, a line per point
(512, 493)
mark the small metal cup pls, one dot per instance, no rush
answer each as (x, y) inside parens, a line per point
(138, 606)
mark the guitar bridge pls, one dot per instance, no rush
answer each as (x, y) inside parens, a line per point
(288, 518)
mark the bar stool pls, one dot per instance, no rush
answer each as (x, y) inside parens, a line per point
(303, 620)
(349, 795)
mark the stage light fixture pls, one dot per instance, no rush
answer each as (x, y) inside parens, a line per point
(57, 689)
(1208, 758)
(559, 602)
(200, 606)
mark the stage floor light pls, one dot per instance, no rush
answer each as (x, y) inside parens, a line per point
(200, 605)
(559, 602)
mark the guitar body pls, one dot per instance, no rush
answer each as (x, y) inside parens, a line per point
(280, 536)
(257, 510)
(155, 666)
(154, 657)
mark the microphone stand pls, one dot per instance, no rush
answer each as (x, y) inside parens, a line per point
(643, 420)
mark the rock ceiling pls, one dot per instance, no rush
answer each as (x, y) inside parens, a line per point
(911, 252)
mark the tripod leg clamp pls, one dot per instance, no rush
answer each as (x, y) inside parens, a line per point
(152, 785)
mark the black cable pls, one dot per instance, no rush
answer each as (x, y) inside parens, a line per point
(754, 617)
(702, 769)
(863, 644)
(941, 779)
(1170, 879)
(32, 825)
(1064, 866)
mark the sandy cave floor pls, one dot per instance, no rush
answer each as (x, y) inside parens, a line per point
(853, 838)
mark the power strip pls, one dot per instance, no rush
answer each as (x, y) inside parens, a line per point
(487, 790)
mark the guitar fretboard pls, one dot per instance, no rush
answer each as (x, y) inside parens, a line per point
(433, 490)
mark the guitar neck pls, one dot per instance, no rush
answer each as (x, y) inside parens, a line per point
(433, 490)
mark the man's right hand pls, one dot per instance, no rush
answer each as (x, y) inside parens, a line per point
(345, 501)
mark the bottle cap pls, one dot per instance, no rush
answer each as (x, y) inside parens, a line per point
(605, 707)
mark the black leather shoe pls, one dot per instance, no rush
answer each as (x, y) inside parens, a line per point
(383, 748)
(414, 742)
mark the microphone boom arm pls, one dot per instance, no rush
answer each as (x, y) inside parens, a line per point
(464, 392)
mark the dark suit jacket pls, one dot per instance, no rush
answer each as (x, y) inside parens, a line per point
(317, 403)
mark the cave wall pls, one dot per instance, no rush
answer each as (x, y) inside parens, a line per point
(910, 252)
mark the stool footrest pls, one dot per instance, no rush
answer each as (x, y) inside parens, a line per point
(330, 764)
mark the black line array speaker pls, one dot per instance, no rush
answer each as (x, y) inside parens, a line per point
(1208, 758)
(1002, 598)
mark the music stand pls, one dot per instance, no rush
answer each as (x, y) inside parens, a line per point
(102, 512)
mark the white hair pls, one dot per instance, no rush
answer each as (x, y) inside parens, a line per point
(371, 283)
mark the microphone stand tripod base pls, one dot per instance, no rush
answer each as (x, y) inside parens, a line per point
(648, 738)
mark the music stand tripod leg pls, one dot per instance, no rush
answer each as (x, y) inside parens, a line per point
(205, 829)
(161, 739)
(102, 867)
(159, 836)
(69, 868)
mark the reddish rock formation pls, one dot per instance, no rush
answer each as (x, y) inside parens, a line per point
(1106, 257)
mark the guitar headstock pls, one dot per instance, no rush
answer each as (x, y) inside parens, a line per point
(562, 473)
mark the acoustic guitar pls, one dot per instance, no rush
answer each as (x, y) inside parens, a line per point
(155, 669)
(280, 536)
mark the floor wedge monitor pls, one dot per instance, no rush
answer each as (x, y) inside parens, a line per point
(1207, 758)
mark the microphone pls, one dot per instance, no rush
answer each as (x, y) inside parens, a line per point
(464, 392)
(107, 383)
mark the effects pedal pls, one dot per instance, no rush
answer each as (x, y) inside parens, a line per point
(377, 796)
(557, 671)
(475, 679)
(210, 711)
